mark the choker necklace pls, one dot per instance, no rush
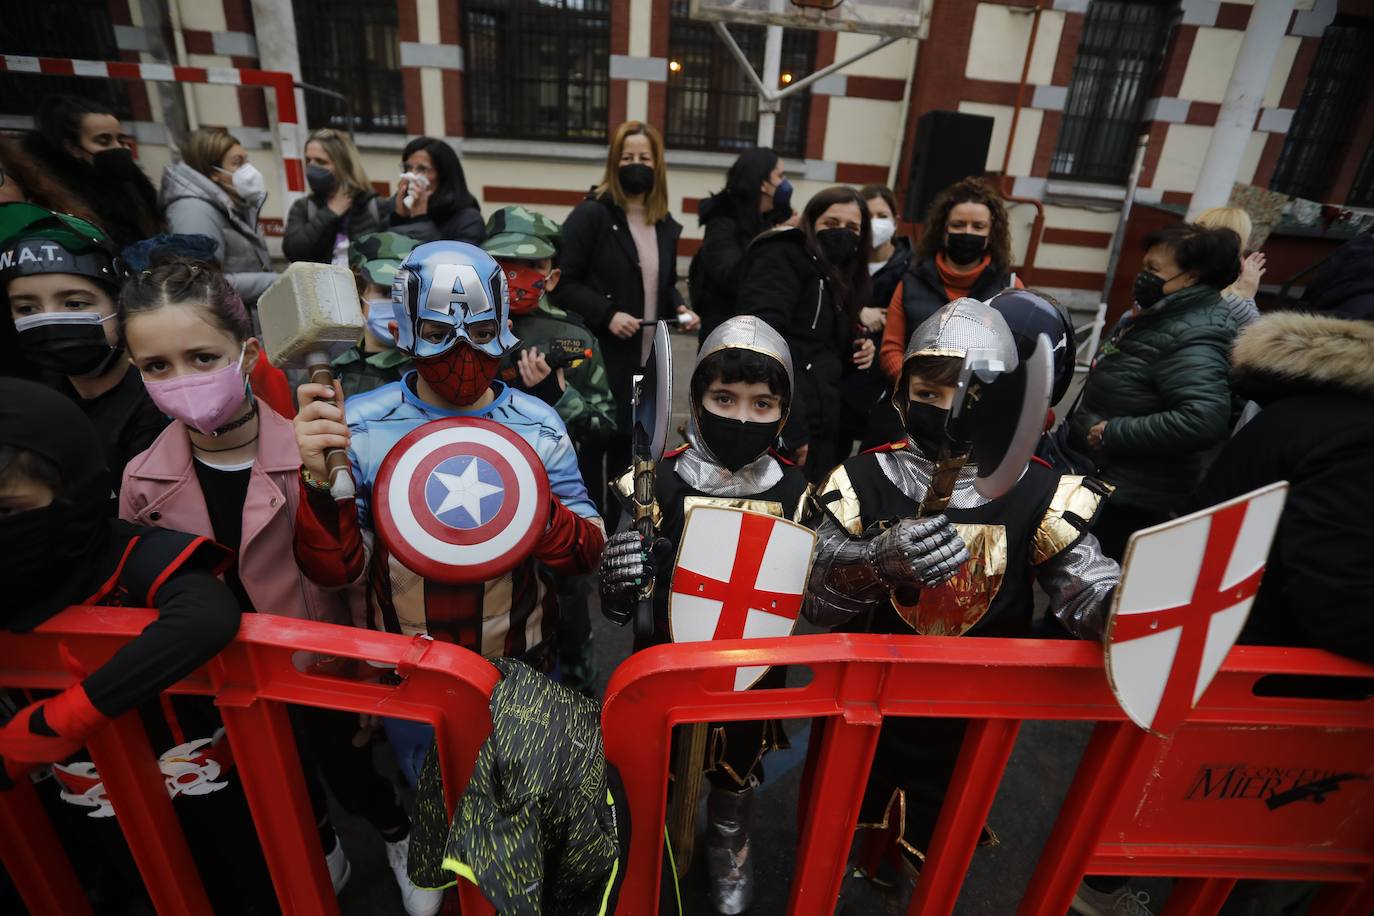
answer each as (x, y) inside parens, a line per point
(235, 424)
(229, 448)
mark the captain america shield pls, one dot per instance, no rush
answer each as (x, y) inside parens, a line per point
(461, 500)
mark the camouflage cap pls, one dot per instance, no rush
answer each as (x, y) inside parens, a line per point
(379, 255)
(519, 232)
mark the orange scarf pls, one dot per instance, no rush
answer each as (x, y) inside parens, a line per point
(958, 283)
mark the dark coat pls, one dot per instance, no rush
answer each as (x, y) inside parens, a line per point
(1160, 382)
(783, 284)
(714, 277)
(463, 225)
(311, 226)
(924, 293)
(601, 276)
(1314, 377)
(868, 413)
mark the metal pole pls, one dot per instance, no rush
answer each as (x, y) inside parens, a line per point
(1244, 93)
(772, 72)
(1119, 237)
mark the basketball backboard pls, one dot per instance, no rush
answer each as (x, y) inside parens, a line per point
(894, 18)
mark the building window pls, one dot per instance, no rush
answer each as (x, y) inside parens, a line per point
(352, 47)
(712, 104)
(1113, 77)
(1362, 191)
(1331, 101)
(538, 69)
(79, 29)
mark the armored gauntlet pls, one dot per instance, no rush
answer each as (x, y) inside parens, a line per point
(916, 551)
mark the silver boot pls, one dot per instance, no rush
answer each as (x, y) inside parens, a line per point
(729, 865)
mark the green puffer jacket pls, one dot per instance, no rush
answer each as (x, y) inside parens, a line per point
(1160, 381)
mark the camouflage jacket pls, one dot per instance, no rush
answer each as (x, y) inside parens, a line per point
(586, 405)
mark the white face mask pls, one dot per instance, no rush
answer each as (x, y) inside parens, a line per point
(883, 230)
(248, 181)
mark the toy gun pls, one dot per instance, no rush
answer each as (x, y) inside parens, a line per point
(562, 354)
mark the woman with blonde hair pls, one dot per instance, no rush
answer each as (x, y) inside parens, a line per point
(1240, 295)
(340, 207)
(619, 272)
(216, 192)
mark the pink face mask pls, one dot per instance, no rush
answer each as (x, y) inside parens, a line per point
(203, 401)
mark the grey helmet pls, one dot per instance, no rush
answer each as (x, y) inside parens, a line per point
(962, 327)
(746, 332)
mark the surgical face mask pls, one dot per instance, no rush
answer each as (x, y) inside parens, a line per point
(68, 343)
(883, 230)
(320, 179)
(249, 183)
(838, 246)
(964, 247)
(782, 196)
(380, 315)
(735, 443)
(203, 401)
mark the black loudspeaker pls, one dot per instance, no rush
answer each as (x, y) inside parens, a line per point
(950, 145)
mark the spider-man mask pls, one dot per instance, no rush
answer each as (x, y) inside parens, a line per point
(460, 375)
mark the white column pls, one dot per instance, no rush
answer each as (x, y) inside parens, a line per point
(1244, 93)
(274, 27)
(772, 71)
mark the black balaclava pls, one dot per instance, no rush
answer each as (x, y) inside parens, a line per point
(49, 556)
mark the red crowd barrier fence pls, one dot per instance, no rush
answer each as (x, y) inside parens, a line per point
(252, 680)
(1252, 786)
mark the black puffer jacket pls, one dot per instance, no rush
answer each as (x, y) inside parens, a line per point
(714, 277)
(311, 226)
(463, 225)
(1314, 377)
(924, 293)
(783, 284)
(601, 276)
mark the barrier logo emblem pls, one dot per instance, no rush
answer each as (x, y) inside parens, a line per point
(1186, 590)
(739, 575)
(461, 500)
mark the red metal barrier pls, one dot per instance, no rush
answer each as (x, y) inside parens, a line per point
(251, 681)
(1196, 806)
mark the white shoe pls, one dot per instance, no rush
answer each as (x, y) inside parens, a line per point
(340, 870)
(1121, 902)
(418, 901)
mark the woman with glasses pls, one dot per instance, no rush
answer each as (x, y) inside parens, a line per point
(432, 200)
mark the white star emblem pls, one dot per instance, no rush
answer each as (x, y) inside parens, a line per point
(465, 491)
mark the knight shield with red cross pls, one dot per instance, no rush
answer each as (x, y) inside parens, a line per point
(1186, 590)
(739, 575)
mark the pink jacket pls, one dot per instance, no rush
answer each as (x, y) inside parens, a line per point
(160, 488)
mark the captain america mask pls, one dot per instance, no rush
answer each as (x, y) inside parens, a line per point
(449, 293)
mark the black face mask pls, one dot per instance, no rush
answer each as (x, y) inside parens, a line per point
(116, 164)
(838, 246)
(964, 247)
(925, 424)
(636, 178)
(68, 349)
(1148, 288)
(735, 443)
(320, 179)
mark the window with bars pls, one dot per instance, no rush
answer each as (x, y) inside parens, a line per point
(1331, 101)
(712, 104)
(1113, 75)
(537, 69)
(352, 47)
(1362, 191)
(59, 28)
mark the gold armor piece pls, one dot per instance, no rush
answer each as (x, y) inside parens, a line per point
(625, 486)
(761, 506)
(1072, 496)
(953, 608)
(846, 509)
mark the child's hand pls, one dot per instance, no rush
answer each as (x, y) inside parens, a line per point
(863, 353)
(319, 425)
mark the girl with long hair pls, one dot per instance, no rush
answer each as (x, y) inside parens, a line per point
(810, 283)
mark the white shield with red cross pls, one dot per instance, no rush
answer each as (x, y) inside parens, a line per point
(739, 575)
(1186, 590)
(461, 500)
